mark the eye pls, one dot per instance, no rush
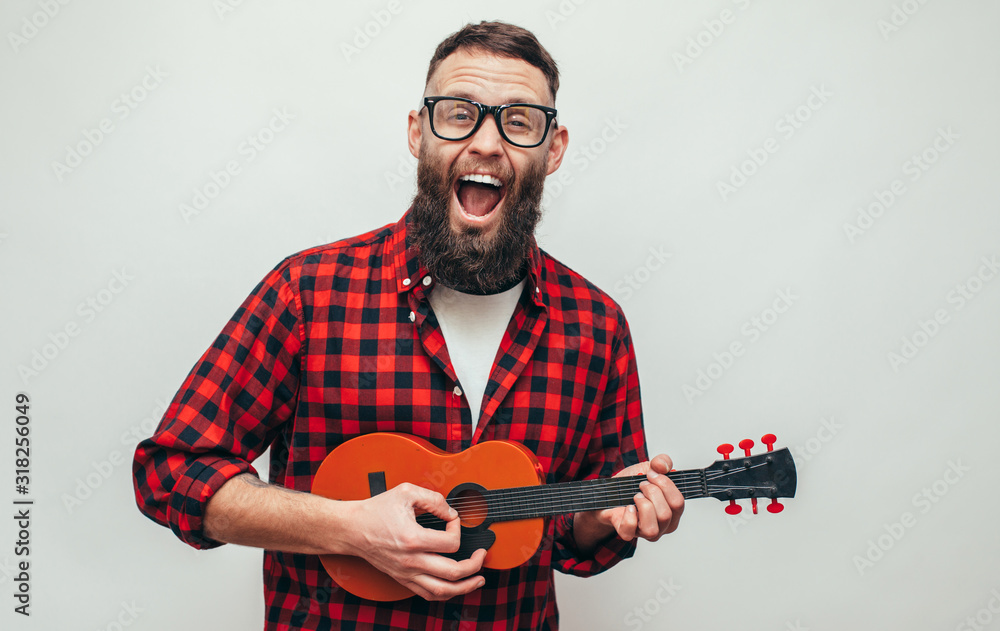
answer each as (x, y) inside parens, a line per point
(519, 118)
(459, 112)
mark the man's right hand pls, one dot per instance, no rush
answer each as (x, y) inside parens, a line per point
(383, 530)
(387, 535)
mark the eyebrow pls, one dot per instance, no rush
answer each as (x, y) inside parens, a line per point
(472, 97)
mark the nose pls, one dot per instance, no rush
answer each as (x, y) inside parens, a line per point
(487, 142)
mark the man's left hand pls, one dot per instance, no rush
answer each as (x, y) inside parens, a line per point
(657, 509)
(658, 506)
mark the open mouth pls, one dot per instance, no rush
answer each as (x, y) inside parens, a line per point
(479, 194)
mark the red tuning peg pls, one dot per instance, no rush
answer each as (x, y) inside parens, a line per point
(769, 440)
(725, 449)
(775, 506)
(746, 445)
(753, 504)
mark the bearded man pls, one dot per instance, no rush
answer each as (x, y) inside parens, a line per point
(450, 325)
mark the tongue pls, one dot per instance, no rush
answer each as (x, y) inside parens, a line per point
(478, 199)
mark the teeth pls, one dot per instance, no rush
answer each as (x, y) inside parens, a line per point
(482, 179)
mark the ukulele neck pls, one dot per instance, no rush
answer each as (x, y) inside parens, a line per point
(529, 502)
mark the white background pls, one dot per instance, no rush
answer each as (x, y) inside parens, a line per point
(668, 99)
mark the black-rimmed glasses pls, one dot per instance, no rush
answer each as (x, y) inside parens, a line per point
(520, 124)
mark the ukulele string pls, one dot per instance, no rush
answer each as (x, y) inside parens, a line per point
(531, 493)
(563, 502)
(589, 487)
(511, 513)
(478, 507)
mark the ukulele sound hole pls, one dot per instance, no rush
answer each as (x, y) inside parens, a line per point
(468, 500)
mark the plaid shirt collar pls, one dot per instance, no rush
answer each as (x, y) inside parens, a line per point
(410, 272)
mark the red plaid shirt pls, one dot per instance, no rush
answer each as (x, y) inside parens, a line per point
(339, 341)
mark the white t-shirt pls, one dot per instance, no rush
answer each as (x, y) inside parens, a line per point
(473, 327)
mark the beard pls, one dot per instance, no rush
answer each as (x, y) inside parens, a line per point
(468, 259)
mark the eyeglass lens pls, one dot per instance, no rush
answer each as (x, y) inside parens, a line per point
(522, 124)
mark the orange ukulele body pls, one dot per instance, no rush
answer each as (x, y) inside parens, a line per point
(347, 474)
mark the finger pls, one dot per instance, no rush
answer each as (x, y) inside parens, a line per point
(636, 469)
(440, 578)
(649, 525)
(449, 569)
(432, 502)
(626, 523)
(676, 502)
(434, 588)
(661, 464)
(661, 509)
(673, 496)
(433, 540)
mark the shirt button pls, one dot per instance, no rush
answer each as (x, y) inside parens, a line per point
(427, 281)
(406, 282)
(537, 290)
(458, 391)
(413, 317)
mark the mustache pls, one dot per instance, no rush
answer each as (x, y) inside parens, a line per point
(502, 170)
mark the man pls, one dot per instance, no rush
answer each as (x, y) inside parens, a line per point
(450, 325)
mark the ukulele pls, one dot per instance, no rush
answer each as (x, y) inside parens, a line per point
(496, 488)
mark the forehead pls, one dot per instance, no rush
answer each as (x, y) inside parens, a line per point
(489, 79)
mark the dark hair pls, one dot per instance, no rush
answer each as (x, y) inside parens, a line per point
(503, 40)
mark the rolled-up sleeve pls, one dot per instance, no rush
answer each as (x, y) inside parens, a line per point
(231, 406)
(618, 441)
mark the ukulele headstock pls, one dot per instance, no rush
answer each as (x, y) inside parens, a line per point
(767, 475)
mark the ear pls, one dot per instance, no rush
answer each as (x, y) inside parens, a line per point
(414, 132)
(557, 148)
